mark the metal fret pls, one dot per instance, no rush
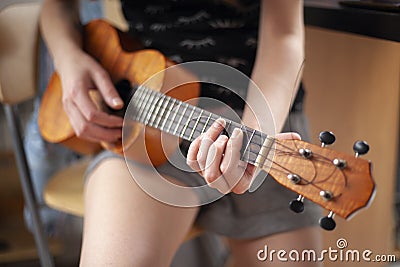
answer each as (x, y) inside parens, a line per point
(205, 125)
(153, 96)
(227, 127)
(173, 116)
(256, 143)
(187, 122)
(168, 113)
(139, 96)
(249, 141)
(155, 109)
(163, 108)
(180, 119)
(155, 112)
(146, 101)
(195, 125)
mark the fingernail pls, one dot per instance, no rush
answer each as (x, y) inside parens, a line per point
(218, 123)
(117, 101)
(235, 132)
(222, 138)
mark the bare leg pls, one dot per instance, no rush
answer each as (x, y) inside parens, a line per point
(124, 226)
(244, 252)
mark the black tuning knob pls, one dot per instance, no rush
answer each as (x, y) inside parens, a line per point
(327, 138)
(361, 148)
(327, 223)
(297, 205)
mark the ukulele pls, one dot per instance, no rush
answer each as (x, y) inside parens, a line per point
(339, 182)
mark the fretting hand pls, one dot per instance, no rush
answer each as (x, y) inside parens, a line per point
(217, 158)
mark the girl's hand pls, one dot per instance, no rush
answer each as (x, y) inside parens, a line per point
(80, 73)
(217, 158)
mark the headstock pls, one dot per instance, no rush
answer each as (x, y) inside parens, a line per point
(339, 182)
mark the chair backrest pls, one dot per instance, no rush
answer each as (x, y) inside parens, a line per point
(18, 49)
(113, 13)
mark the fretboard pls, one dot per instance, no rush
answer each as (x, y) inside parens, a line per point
(187, 121)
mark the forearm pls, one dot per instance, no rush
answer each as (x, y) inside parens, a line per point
(61, 28)
(277, 78)
(277, 70)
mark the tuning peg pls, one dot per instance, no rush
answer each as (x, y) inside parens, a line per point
(327, 222)
(361, 148)
(327, 138)
(297, 205)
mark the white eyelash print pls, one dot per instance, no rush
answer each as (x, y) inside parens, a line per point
(233, 62)
(158, 27)
(154, 10)
(226, 24)
(176, 58)
(251, 42)
(193, 19)
(190, 44)
(137, 26)
(147, 42)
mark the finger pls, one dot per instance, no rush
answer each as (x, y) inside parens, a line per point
(221, 185)
(93, 115)
(191, 159)
(212, 173)
(85, 104)
(107, 89)
(231, 166)
(243, 185)
(214, 157)
(202, 153)
(289, 135)
(208, 138)
(215, 130)
(90, 131)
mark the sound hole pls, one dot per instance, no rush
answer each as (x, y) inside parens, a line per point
(125, 91)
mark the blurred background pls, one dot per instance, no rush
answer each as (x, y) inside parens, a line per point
(352, 83)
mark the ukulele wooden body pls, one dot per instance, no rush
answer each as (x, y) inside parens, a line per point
(122, 57)
(336, 181)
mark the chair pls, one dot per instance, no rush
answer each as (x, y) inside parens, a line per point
(18, 50)
(64, 191)
(18, 72)
(18, 58)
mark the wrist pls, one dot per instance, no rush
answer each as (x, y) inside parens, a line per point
(66, 55)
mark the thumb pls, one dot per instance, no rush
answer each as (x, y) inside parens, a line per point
(107, 90)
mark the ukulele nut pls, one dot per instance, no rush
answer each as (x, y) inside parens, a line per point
(294, 178)
(340, 163)
(305, 152)
(326, 195)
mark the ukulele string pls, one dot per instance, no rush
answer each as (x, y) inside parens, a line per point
(314, 181)
(287, 151)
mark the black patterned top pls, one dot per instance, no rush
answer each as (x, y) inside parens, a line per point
(191, 30)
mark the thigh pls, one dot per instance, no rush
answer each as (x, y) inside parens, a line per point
(264, 251)
(123, 226)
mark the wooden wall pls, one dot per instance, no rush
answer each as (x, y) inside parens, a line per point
(352, 85)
